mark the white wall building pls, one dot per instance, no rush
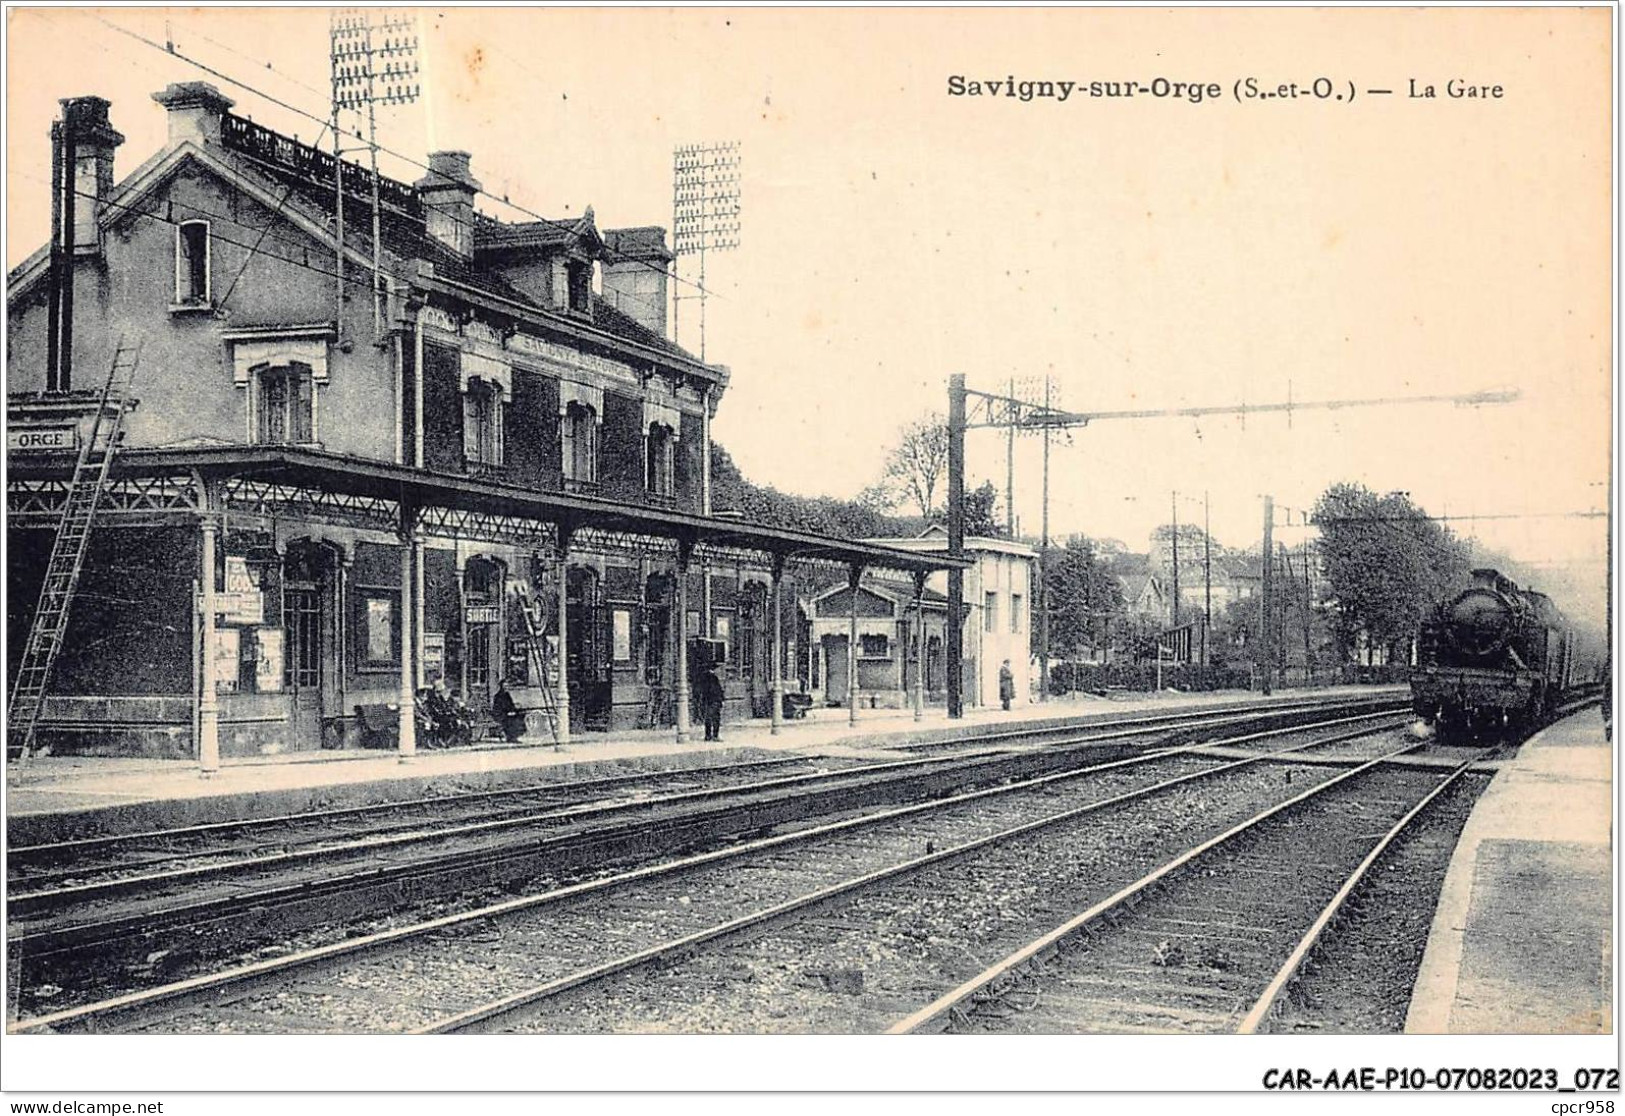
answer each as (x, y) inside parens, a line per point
(999, 593)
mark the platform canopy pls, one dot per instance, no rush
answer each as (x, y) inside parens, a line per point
(293, 480)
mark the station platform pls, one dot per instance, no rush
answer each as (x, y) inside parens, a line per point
(1522, 940)
(55, 798)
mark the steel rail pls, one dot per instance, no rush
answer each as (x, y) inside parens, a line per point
(78, 845)
(755, 920)
(415, 834)
(1289, 970)
(59, 939)
(254, 971)
(945, 1007)
(1266, 1004)
(1197, 718)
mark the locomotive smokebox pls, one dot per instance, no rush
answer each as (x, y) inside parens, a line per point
(1480, 621)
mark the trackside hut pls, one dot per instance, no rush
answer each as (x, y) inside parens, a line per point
(491, 449)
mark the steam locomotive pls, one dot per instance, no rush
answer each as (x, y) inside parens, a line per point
(1492, 656)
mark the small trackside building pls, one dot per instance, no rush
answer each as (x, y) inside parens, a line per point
(999, 587)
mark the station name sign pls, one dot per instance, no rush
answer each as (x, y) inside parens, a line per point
(42, 439)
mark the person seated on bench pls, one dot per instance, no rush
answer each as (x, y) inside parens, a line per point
(509, 717)
(448, 718)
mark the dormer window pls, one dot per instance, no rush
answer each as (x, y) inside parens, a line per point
(482, 423)
(660, 459)
(580, 279)
(192, 271)
(580, 448)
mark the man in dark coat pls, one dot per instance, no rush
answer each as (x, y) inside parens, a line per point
(1007, 685)
(508, 715)
(710, 698)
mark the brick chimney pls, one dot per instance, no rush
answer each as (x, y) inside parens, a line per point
(84, 126)
(448, 200)
(195, 109)
(634, 274)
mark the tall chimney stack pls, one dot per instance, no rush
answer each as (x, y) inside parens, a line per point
(448, 193)
(634, 274)
(88, 143)
(195, 109)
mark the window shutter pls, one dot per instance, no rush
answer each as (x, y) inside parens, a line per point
(471, 427)
(567, 439)
(302, 410)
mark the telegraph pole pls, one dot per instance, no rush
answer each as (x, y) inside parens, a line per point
(1173, 504)
(1010, 474)
(1207, 579)
(1264, 655)
(956, 541)
(705, 212)
(1043, 558)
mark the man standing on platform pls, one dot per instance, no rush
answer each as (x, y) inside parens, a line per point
(1007, 685)
(710, 697)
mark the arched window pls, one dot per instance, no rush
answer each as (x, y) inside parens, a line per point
(660, 459)
(285, 404)
(580, 448)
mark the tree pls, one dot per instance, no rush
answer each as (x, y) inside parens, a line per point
(1081, 592)
(981, 512)
(1386, 562)
(821, 515)
(916, 466)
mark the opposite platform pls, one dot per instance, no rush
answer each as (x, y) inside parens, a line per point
(1522, 940)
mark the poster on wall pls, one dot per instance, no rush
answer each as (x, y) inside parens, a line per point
(226, 646)
(623, 635)
(434, 655)
(268, 661)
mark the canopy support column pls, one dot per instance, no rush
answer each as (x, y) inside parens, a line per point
(685, 550)
(561, 675)
(919, 645)
(776, 671)
(208, 705)
(407, 723)
(854, 578)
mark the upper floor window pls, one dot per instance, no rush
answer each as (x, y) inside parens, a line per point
(1015, 612)
(285, 404)
(579, 432)
(990, 612)
(661, 460)
(580, 278)
(482, 423)
(192, 263)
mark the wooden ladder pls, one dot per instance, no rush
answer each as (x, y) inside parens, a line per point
(67, 560)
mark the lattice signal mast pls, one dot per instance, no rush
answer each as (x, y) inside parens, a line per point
(705, 210)
(374, 59)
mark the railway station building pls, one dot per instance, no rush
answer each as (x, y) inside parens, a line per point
(461, 448)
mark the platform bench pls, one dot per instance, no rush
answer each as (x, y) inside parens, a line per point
(379, 725)
(796, 706)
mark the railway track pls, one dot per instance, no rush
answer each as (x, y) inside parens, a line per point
(484, 963)
(117, 899)
(1210, 941)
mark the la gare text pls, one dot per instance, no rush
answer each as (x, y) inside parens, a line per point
(1198, 92)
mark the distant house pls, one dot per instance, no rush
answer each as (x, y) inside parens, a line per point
(1145, 597)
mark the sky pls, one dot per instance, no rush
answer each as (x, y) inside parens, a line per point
(1142, 252)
